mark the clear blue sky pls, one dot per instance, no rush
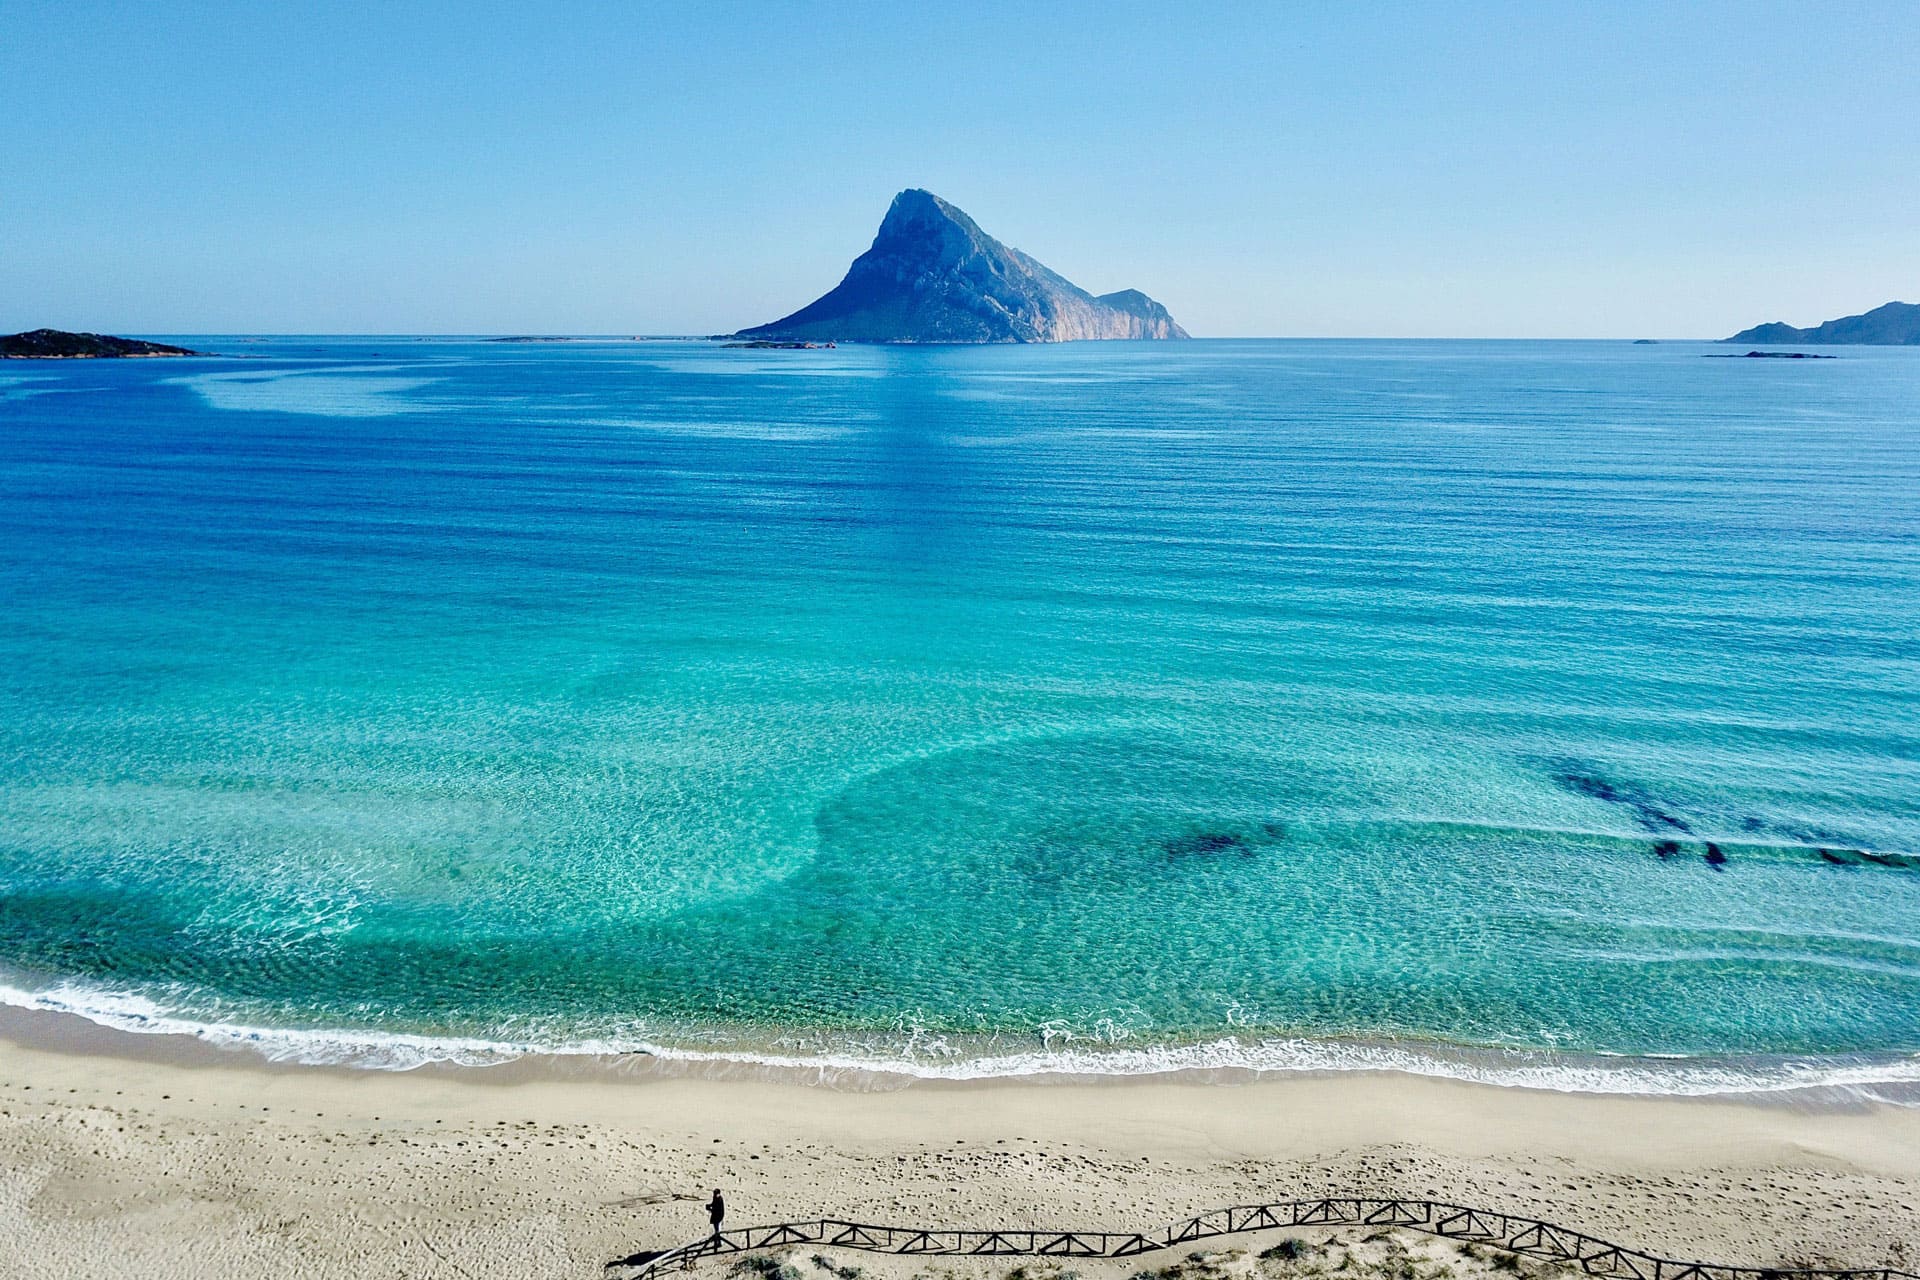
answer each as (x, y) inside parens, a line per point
(1523, 169)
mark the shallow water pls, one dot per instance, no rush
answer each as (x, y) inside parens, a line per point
(967, 704)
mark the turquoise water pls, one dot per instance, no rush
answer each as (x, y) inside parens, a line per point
(972, 709)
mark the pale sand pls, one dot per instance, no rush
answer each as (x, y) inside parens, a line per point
(116, 1161)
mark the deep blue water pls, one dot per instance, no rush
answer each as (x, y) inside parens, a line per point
(1212, 699)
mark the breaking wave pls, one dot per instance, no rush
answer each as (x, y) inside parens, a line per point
(1891, 1078)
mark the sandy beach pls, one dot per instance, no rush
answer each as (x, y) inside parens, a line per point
(156, 1156)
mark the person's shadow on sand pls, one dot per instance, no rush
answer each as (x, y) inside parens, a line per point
(716, 1214)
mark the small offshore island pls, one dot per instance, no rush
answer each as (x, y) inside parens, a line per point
(769, 344)
(57, 344)
(1768, 355)
(933, 275)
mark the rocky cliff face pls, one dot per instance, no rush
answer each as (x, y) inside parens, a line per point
(932, 275)
(1895, 325)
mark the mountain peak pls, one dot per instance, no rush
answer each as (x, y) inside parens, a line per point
(921, 226)
(932, 275)
(919, 203)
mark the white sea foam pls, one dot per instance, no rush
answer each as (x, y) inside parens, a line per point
(1894, 1078)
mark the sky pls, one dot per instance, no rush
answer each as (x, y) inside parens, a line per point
(1474, 170)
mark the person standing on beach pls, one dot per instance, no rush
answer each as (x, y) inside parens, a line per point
(716, 1210)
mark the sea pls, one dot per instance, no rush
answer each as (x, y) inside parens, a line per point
(1538, 712)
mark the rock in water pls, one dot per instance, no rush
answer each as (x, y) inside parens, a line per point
(55, 344)
(934, 276)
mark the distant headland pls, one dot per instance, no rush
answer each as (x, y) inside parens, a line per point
(932, 275)
(56, 344)
(1895, 325)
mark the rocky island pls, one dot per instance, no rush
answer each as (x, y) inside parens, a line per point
(1769, 355)
(56, 344)
(774, 344)
(933, 275)
(1895, 325)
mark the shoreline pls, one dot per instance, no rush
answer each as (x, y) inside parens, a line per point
(131, 1025)
(554, 1167)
